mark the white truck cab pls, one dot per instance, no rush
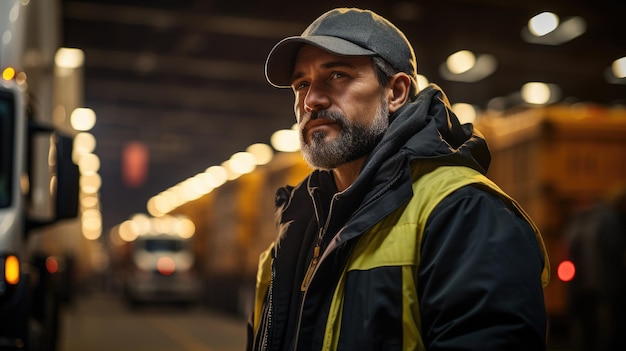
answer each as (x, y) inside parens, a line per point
(38, 179)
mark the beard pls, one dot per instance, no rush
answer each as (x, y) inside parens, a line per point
(353, 141)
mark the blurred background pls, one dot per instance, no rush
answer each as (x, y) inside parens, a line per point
(181, 143)
(181, 83)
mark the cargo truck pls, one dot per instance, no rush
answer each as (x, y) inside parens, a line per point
(38, 186)
(38, 179)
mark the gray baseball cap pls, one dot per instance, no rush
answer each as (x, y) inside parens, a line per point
(347, 32)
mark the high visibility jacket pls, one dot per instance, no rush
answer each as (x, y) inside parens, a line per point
(421, 251)
(396, 242)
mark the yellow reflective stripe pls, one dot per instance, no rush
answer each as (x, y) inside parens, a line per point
(411, 320)
(335, 314)
(387, 244)
(396, 239)
(263, 280)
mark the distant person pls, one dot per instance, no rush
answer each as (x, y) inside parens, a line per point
(587, 317)
(611, 236)
(396, 240)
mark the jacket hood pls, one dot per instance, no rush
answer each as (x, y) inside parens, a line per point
(427, 128)
(424, 128)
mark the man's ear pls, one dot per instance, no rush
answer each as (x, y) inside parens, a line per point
(400, 85)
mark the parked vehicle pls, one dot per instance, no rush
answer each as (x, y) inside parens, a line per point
(162, 271)
(38, 187)
(39, 182)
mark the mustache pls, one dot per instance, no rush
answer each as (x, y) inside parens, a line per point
(334, 116)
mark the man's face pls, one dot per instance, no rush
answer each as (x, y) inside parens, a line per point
(339, 106)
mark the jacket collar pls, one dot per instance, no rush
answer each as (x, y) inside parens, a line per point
(424, 128)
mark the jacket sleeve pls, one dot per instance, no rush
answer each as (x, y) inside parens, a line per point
(480, 277)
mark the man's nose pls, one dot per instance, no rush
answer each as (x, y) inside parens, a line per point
(316, 99)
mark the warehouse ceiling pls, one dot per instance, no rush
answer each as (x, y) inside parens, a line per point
(185, 77)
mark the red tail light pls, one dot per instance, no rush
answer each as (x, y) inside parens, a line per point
(52, 266)
(166, 265)
(566, 270)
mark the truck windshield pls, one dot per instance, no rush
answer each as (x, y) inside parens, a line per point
(160, 245)
(7, 120)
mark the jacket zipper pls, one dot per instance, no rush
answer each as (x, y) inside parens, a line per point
(270, 306)
(315, 260)
(312, 266)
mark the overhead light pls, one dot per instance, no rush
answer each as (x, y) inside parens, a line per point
(538, 93)
(465, 66)
(543, 24)
(218, 174)
(242, 162)
(232, 175)
(465, 113)
(461, 61)
(422, 82)
(547, 29)
(69, 58)
(263, 153)
(83, 119)
(285, 140)
(616, 72)
(619, 67)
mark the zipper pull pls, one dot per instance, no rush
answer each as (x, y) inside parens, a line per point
(309, 272)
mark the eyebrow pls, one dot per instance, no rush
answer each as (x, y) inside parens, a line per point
(326, 65)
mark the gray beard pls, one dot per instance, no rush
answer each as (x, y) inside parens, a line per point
(353, 142)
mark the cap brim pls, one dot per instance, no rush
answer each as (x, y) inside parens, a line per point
(280, 61)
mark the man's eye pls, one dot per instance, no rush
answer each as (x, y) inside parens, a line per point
(300, 85)
(337, 75)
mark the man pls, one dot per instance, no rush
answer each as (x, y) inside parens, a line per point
(396, 241)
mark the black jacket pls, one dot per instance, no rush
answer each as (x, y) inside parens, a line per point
(465, 303)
